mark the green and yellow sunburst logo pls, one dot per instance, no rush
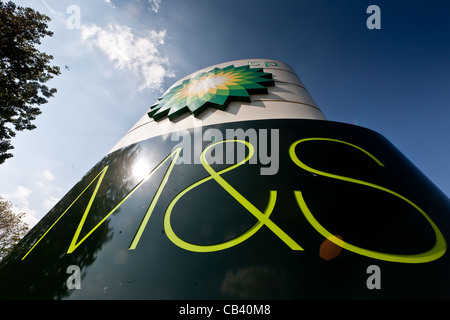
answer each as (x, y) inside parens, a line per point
(215, 88)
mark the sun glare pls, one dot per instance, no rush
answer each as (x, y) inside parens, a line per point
(141, 169)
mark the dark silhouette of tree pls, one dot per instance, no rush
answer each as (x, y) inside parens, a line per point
(24, 70)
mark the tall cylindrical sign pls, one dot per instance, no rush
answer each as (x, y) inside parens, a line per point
(233, 185)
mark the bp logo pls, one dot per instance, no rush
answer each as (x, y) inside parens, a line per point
(215, 88)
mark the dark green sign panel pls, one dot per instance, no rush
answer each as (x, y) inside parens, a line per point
(271, 209)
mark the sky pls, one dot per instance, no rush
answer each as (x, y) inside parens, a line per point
(121, 55)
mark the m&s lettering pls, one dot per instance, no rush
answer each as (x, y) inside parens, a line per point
(263, 218)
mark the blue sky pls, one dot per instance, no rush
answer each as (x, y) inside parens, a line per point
(122, 55)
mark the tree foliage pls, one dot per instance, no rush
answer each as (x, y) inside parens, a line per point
(23, 71)
(12, 228)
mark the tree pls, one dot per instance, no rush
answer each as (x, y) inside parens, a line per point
(12, 228)
(23, 71)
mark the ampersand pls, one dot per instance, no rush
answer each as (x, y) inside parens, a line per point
(263, 218)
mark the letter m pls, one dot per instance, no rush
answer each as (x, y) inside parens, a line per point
(74, 244)
(98, 181)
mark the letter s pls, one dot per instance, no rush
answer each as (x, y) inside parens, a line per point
(434, 253)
